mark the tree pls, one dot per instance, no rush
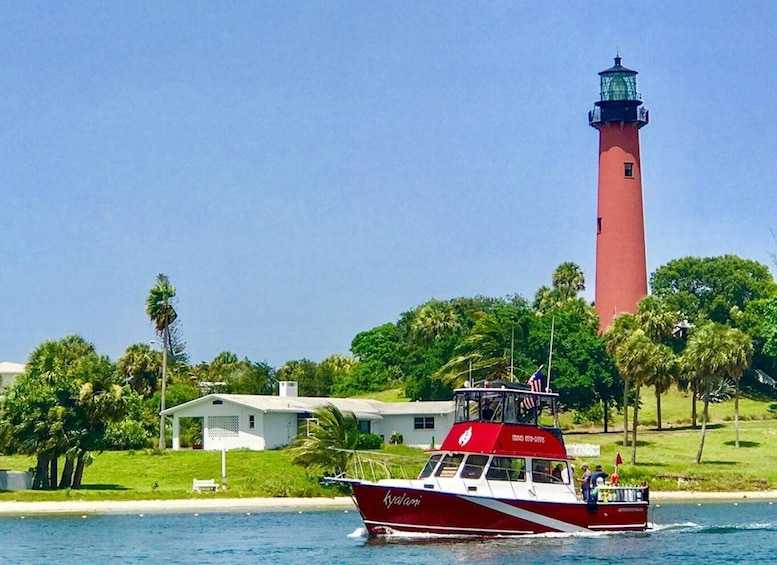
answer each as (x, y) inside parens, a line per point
(61, 406)
(714, 351)
(139, 366)
(160, 308)
(568, 280)
(333, 435)
(433, 321)
(710, 288)
(617, 334)
(739, 351)
(491, 351)
(659, 322)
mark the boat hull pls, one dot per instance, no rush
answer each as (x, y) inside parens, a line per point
(389, 509)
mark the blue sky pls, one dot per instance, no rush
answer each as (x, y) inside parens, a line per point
(304, 171)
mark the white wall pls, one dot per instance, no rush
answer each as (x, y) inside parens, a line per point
(279, 429)
(215, 436)
(404, 424)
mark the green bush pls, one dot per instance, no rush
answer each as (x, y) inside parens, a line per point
(369, 441)
(127, 434)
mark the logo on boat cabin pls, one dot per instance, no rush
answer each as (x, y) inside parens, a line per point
(400, 500)
(465, 437)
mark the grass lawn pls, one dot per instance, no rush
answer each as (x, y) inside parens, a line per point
(666, 459)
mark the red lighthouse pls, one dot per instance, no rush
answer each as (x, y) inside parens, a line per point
(621, 270)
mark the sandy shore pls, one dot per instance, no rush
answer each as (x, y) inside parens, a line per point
(182, 505)
(288, 504)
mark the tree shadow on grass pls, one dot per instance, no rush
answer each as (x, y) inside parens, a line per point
(733, 443)
(102, 487)
(710, 462)
(627, 448)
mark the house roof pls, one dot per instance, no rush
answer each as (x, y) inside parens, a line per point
(9, 368)
(363, 409)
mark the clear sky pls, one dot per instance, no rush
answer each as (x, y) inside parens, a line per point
(304, 171)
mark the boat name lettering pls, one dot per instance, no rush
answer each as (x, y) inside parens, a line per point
(400, 500)
(528, 439)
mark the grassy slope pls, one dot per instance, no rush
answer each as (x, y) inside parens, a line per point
(666, 459)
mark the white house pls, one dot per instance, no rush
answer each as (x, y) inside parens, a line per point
(233, 421)
(8, 373)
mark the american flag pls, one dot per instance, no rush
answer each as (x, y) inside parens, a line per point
(535, 382)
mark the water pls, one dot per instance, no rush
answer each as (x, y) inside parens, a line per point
(683, 533)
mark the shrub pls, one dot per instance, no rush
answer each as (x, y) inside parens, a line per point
(127, 434)
(369, 441)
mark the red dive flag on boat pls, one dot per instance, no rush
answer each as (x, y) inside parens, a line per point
(535, 383)
(618, 459)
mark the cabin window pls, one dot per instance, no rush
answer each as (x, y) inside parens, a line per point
(364, 426)
(251, 421)
(550, 471)
(431, 463)
(628, 170)
(474, 466)
(423, 423)
(507, 469)
(491, 407)
(449, 466)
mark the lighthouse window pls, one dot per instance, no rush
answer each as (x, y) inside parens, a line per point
(628, 170)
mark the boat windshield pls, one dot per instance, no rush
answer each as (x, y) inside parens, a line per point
(431, 463)
(498, 405)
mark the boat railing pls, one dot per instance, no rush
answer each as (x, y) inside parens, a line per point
(605, 494)
(374, 466)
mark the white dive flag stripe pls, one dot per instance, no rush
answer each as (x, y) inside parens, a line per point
(540, 519)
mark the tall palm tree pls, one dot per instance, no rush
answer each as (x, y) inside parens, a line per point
(659, 322)
(618, 333)
(740, 352)
(486, 353)
(637, 358)
(160, 309)
(706, 353)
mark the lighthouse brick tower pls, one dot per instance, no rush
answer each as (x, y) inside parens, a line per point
(621, 270)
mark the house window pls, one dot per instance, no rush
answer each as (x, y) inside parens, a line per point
(628, 170)
(423, 423)
(251, 421)
(598, 225)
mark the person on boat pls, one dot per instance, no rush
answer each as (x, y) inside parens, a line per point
(598, 474)
(556, 473)
(566, 473)
(585, 481)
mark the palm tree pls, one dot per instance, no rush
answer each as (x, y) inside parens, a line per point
(139, 367)
(334, 434)
(434, 320)
(486, 353)
(706, 354)
(740, 352)
(659, 322)
(569, 279)
(161, 310)
(618, 333)
(637, 358)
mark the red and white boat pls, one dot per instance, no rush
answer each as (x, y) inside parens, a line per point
(500, 471)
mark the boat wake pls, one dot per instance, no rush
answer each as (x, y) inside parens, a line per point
(693, 527)
(358, 533)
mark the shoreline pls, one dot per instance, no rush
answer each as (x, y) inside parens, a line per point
(249, 505)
